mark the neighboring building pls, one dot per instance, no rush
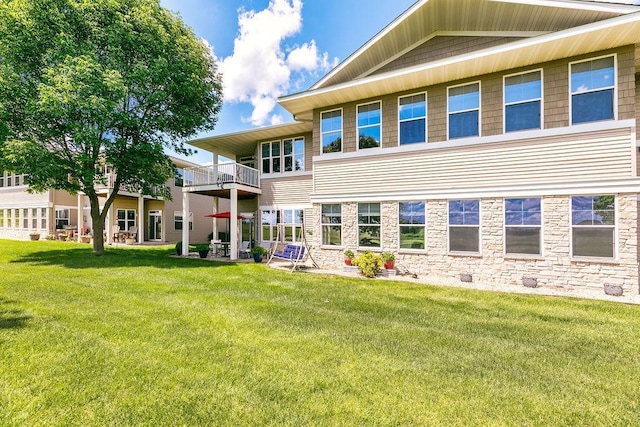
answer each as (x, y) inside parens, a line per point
(491, 141)
(55, 212)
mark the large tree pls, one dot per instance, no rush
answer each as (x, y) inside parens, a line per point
(89, 84)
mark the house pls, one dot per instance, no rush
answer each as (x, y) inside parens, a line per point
(484, 141)
(56, 212)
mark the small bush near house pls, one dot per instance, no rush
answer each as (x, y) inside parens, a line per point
(369, 263)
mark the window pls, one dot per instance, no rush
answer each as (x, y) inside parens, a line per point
(369, 225)
(331, 130)
(126, 219)
(412, 225)
(179, 178)
(16, 180)
(1, 218)
(177, 220)
(34, 218)
(523, 101)
(293, 154)
(293, 219)
(412, 119)
(43, 218)
(8, 180)
(464, 225)
(593, 226)
(522, 220)
(464, 111)
(270, 219)
(271, 157)
(592, 90)
(1, 179)
(369, 119)
(62, 218)
(331, 222)
(9, 218)
(25, 218)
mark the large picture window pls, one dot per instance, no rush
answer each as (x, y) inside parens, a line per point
(522, 220)
(331, 130)
(592, 90)
(283, 156)
(464, 226)
(369, 125)
(523, 101)
(412, 225)
(593, 222)
(369, 225)
(412, 119)
(331, 221)
(463, 108)
(126, 219)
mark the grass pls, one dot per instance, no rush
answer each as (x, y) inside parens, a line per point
(136, 337)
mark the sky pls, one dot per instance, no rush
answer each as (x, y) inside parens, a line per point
(269, 48)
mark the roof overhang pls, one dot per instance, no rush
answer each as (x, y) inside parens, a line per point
(614, 32)
(244, 142)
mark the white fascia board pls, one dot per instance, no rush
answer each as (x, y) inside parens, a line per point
(596, 6)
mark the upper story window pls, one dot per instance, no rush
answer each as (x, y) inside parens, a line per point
(523, 101)
(369, 125)
(412, 119)
(593, 90)
(463, 109)
(331, 130)
(16, 181)
(289, 152)
(293, 154)
(179, 178)
(271, 157)
(1, 179)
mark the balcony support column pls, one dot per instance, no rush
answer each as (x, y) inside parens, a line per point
(141, 224)
(185, 223)
(233, 232)
(80, 216)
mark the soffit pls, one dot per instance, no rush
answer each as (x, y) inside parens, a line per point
(428, 17)
(611, 33)
(243, 143)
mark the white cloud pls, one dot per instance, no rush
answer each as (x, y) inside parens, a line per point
(260, 70)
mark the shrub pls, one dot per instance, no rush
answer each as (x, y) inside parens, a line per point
(369, 263)
(259, 250)
(179, 248)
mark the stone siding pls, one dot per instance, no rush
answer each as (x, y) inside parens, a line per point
(554, 269)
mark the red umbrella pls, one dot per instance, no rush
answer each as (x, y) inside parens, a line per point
(222, 215)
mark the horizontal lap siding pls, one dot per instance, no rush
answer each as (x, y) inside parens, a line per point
(606, 155)
(286, 191)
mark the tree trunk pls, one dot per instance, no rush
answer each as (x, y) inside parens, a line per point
(98, 224)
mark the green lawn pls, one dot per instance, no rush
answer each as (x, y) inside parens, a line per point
(135, 337)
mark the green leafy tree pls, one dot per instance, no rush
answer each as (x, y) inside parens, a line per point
(92, 84)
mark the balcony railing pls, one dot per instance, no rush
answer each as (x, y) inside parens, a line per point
(225, 173)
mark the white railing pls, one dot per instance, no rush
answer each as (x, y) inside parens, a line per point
(225, 173)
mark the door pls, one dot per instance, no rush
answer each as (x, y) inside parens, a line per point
(155, 226)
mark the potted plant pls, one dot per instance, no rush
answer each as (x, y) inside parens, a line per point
(203, 250)
(389, 260)
(34, 236)
(348, 256)
(258, 252)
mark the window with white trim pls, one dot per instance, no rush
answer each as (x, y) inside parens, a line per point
(593, 85)
(1, 218)
(62, 218)
(126, 219)
(34, 218)
(283, 156)
(1, 179)
(523, 224)
(411, 224)
(178, 220)
(331, 222)
(269, 220)
(369, 225)
(593, 223)
(523, 101)
(331, 131)
(25, 218)
(292, 219)
(463, 108)
(293, 154)
(16, 181)
(271, 157)
(369, 125)
(43, 218)
(464, 226)
(412, 119)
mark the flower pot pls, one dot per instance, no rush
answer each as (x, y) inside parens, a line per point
(130, 241)
(347, 261)
(389, 265)
(257, 257)
(34, 236)
(203, 253)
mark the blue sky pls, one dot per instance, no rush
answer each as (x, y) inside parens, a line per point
(270, 48)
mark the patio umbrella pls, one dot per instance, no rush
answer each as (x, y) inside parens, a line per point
(226, 215)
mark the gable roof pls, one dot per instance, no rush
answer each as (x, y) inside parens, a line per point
(546, 30)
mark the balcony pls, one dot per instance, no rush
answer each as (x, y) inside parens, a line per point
(221, 175)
